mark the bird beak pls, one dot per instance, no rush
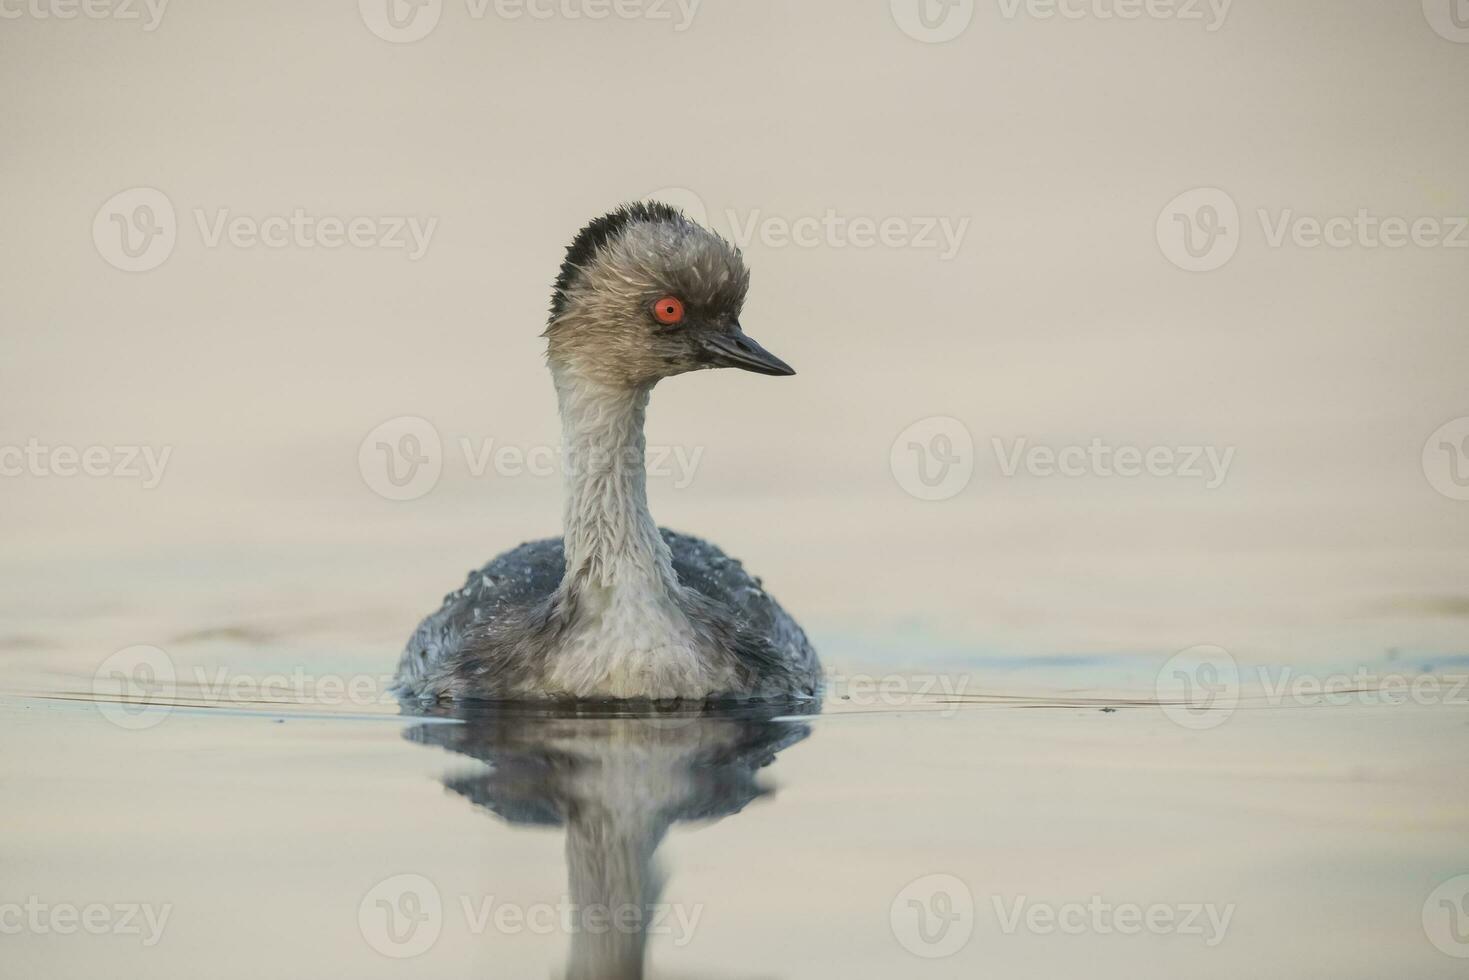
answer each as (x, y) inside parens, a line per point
(734, 349)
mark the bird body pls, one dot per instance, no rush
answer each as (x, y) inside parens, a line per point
(616, 608)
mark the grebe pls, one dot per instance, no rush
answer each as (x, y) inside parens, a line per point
(619, 609)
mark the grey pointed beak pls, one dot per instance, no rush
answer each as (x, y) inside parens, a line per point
(734, 349)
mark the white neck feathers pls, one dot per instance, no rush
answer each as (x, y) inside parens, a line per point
(612, 541)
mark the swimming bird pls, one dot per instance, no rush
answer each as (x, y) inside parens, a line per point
(617, 608)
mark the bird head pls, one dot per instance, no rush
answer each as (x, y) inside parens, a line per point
(644, 294)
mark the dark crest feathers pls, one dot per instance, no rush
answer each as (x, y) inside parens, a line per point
(598, 233)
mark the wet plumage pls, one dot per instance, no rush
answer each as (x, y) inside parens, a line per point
(617, 609)
(517, 587)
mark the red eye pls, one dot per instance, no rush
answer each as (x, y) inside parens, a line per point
(668, 310)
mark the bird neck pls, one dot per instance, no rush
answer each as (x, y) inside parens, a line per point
(612, 543)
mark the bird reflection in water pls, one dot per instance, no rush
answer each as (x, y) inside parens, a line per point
(617, 780)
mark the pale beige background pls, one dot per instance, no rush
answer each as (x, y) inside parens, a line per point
(263, 549)
(1060, 319)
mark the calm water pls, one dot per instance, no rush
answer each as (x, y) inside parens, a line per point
(1070, 731)
(1078, 724)
(235, 817)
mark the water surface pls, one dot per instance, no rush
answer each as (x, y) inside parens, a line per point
(282, 827)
